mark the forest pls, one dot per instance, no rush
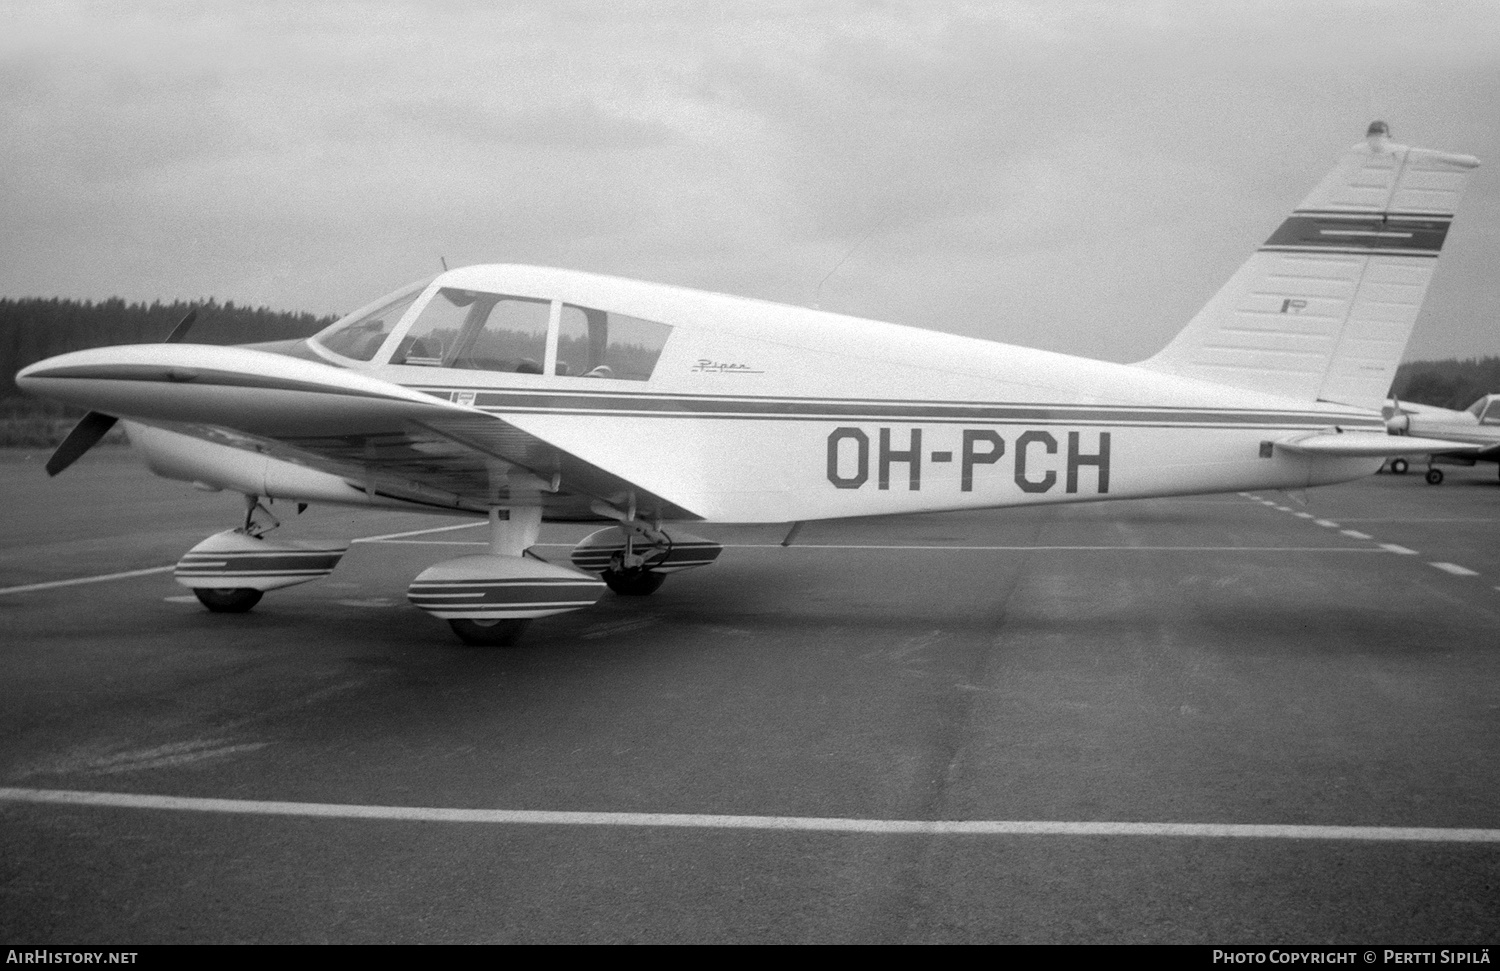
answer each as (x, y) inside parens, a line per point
(34, 328)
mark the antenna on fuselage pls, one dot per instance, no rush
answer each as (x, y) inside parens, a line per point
(443, 261)
(818, 293)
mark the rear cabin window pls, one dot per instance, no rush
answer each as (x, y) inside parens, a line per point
(601, 344)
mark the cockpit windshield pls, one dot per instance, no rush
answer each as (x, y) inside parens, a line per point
(360, 335)
(1490, 417)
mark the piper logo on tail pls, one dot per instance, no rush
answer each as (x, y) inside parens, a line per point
(893, 458)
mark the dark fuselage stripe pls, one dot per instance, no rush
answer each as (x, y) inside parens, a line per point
(501, 403)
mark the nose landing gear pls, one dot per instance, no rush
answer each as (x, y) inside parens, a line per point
(230, 571)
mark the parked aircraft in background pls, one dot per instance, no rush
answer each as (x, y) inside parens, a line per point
(1477, 425)
(520, 394)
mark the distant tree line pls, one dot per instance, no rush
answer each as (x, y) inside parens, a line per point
(1452, 383)
(33, 328)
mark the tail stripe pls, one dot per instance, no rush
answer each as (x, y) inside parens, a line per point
(1358, 235)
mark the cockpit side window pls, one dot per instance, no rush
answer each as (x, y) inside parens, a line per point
(478, 331)
(360, 338)
(1491, 414)
(602, 344)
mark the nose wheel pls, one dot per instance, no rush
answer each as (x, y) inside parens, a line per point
(636, 582)
(228, 600)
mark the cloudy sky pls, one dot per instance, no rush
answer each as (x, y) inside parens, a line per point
(1077, 176)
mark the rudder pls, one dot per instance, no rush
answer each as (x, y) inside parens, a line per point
(1325, 307)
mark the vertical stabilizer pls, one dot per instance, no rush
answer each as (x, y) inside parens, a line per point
(1324, 309)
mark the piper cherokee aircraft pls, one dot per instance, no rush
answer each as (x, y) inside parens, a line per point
(520, 394)
(1477, 425)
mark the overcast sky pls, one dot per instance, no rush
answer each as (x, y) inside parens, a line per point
(1076, 176)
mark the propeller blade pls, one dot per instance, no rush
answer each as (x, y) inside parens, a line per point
(180, 331)
(84, 436)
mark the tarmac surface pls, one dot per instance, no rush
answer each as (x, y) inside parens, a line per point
(1223, 719)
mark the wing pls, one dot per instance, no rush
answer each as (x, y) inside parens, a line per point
(381, 438)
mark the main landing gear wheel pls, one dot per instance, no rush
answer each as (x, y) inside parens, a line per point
(1434, 476)
(1399, 466)
(489, 633)
(228, 600)
(634, 583)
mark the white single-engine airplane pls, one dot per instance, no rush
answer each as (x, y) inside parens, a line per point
(1477, 425)
(521, 394)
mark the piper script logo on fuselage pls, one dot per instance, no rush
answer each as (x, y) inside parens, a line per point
(706, 366)
(1038, 460)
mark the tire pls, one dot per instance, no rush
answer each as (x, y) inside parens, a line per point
(489, 633)
(228, 600)
(1434, 476)
(1399, 466)
(634, 583)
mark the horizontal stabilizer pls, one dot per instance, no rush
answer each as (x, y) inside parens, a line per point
(1370, 445)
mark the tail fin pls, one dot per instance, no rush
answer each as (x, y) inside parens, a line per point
(1323, 311)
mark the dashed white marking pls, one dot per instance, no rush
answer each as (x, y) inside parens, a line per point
(1355, 534)
(812, 824)
(1282, 508)
(53, 584)
(181, 599)
(1393, 548)
(1327, 523)
(1303, 515)
(368, 602)
(1455, 569)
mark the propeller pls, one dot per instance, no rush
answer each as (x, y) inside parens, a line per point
(95, 425)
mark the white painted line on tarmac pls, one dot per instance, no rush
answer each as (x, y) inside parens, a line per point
(1455, 569)
(1044, 549)
(1303, 515)
(1327, 523)
(1398, 549)
(94, 579)
(999, 549)
(416, 532)
(437, 542)
(101, 578)
(1355, 534)
(809, 824)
